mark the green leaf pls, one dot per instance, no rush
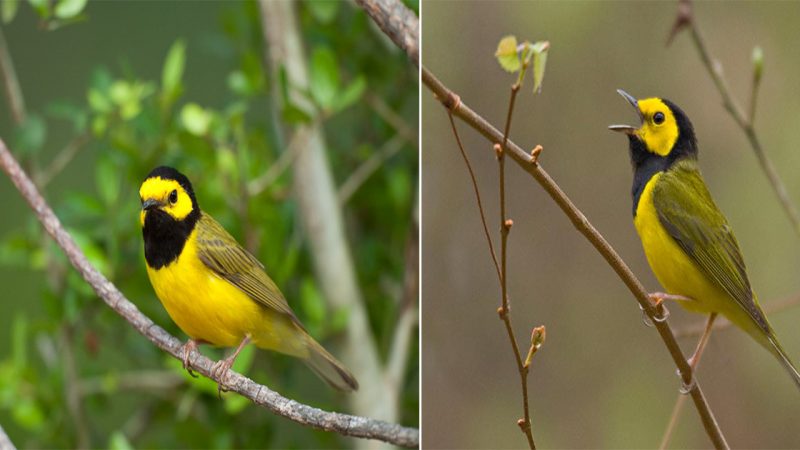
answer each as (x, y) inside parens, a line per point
(507, 55)
(540, 50)
(324, 77)
(68, 111)
(118, 441)
(294, 115)
(173, 71)
(67, 9)
(30, 135)
(28, 414)
(42, 8)
(8, 9)
(351, 94)
(195, 119)
(323, 10)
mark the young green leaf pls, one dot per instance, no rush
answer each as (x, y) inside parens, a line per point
(324, 77)
(350, 95)
(173, 70)
(507, 54)
(8, 9)
(67, 9)
(539, 61)
(323, 10)
(195, 119)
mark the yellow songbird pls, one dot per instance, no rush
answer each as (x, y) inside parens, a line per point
(687, 240)
(214, 290)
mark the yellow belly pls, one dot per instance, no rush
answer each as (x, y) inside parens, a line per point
(677, 273)
(209, 308)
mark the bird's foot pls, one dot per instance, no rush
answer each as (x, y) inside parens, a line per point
(188, 348)
(219, 371)
(656, 298)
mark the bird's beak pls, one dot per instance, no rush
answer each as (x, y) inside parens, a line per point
(150, 203)
(628, 129)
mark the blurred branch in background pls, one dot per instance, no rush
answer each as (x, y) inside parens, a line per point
(320, 215)
(529, 164)
(11, 83)
(261, 395)
(398, 22)
(5, 442)
(685, 19)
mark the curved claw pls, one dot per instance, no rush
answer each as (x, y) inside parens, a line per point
(188, 348)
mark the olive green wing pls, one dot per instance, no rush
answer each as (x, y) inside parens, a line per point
(688, 213)
(220, 252)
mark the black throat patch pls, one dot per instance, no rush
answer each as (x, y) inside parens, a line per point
(646, 164)
(165, 237)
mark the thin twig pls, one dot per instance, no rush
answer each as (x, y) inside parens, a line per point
(409, 305)
(261, 395)
(477, 197)
(686, 19)
(582, 224)
(505, 310)
(60, 161)
(141, 380)
(71, 390)
(397, 122)
(362, 173)
(257, 186)
(11, 83)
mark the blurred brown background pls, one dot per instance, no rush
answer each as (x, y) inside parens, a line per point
(602, 379)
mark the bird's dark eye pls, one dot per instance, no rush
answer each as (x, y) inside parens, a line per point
(658, 118)
(173, 196)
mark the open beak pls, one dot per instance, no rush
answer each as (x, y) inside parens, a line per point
(628, 129)
(149, 204)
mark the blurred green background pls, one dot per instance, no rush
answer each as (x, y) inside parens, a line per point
(602, 379)
(114, 89)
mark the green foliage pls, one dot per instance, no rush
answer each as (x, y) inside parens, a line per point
(516, 58)
(126, 121)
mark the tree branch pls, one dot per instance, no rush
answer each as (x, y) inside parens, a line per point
(529, 164)
(396, 21)
(5, 441)
(344, 424)
(685, 19)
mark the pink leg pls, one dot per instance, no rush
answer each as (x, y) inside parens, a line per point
(221, 367)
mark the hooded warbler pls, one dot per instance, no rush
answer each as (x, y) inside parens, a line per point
(687, 240)
(214, 289)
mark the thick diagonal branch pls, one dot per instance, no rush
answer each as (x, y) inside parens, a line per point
(582, 224)
(396, 21)
(344, 424)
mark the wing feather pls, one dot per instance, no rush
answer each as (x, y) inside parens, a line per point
(688, 213)
(220, 252)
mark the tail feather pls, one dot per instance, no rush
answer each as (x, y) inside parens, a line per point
(329, 368)
(784, 359)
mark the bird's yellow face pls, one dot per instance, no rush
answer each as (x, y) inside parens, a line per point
(659, 128)
(166, 195)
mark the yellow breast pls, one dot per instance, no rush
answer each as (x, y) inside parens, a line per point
(211, 309)
(203, 305)
(673, 268)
